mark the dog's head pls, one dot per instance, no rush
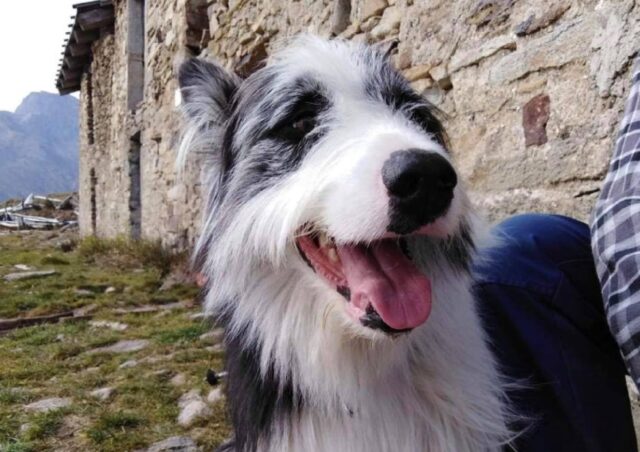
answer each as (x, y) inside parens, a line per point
(326, 164)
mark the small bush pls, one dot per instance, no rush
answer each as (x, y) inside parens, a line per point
(10, 396)
(66, 351)
(110, 424)
(44, 425)
(53, 260)
(129, 253)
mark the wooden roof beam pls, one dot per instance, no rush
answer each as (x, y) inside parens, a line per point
(75, 63)
(71, 74)
(64, 91)
(86, 5)
(77, 50)
(85, 37)
(65, 84)
(95, 19)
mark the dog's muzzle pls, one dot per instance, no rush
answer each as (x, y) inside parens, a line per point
(420, 186)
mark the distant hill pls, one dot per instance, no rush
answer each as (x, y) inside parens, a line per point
(39, 146)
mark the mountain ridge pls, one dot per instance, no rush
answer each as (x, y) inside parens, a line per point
(39, 146)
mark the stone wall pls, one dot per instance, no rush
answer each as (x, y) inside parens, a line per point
(532, 90)
(104, 166)
(170, 203)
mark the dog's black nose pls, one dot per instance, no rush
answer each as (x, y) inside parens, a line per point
(420, 186)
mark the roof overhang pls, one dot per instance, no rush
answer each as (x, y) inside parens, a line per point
(91, 21)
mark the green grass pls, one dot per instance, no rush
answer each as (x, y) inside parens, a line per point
(113, 425)
(43, 425)
(186, 334)
(52, 361)
(16, 447)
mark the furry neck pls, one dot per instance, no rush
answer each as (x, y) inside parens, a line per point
(298, 373)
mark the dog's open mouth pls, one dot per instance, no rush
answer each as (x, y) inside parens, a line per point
(383, 288)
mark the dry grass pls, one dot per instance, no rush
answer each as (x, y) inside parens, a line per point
(129, 254)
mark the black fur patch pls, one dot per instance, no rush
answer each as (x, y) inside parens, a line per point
(372, 320)
(257, 404)
(305, 258)
(267, 135)
(390, 87)
(459, 250)
(345, 292)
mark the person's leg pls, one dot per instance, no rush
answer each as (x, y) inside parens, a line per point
(539, 299)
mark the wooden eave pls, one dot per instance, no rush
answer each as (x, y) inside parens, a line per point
(92, 21)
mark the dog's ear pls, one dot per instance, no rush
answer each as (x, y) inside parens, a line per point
(207, 91)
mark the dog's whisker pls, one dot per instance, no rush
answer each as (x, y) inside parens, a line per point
(327, 310)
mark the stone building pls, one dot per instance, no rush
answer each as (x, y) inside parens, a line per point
(532, 89)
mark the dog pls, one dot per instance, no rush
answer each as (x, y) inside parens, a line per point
(337, 241)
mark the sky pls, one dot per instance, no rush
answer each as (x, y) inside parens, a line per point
(31, 36)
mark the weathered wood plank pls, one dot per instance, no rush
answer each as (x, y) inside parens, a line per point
(75, 63)
(7, 325)
(79, 49)
(70, 90)
(66, 84)
(85, 37)
(95, 19)
(10, 324)
(71, 74)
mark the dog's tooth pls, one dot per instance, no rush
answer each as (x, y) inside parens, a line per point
(324, 240)
(332, 254)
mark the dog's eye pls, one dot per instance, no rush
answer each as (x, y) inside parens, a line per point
(299, 125)
(305, 124)
(296, 129)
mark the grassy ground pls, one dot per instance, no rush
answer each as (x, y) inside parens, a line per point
(54, 361)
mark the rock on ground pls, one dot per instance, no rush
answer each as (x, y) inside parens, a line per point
(116, 326)
(71, 426)
(192, 408)
(128, 364)
(215, 395)
(122, 347)
(28, 275)
(102, 394)
(213, 337)
(151, 308)
(179, 380)
(218, 348)
(54, 403)
(174, 444)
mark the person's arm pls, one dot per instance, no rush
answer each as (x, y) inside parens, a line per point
(615, 234)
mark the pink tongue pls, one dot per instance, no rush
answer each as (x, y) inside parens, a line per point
(383, 276)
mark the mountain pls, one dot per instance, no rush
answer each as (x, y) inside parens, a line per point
(39, 146)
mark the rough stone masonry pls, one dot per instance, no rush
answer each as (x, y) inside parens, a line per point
(532, 90)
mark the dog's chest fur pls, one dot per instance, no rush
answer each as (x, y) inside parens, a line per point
(436, 390)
